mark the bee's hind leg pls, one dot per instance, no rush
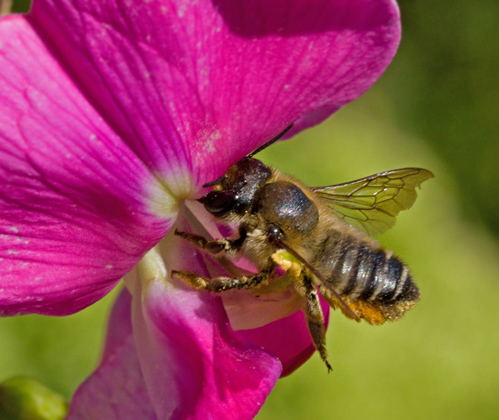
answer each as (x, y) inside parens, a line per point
(221, 284)
(213, 247)
(315, 318)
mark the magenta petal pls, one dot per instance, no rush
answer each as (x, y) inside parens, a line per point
(311, 119)
(198, 84)
(115, 391)
(119, 324)
(194, 364)
(74, 204)
(190, 364)
(287, 339)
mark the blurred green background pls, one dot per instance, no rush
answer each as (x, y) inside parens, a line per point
(436, 107)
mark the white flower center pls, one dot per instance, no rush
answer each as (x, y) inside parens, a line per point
(165, 192)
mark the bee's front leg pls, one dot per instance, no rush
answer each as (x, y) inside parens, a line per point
(220, 284)
(213, 247)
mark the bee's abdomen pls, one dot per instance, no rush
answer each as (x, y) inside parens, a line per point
(361, 272)
(380, 276)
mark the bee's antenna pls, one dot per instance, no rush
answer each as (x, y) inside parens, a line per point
(254, 152)
(213, 183)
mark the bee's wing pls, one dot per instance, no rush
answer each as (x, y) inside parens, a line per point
(372, 203)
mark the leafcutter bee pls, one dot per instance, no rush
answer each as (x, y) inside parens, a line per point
(319, 237)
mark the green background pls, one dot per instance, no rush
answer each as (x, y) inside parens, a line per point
(436, 107)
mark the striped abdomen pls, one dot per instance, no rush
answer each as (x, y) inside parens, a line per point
(371, 280)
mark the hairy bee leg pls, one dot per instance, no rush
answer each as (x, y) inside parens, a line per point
(315, 320)
(213, 247)
(221, 284)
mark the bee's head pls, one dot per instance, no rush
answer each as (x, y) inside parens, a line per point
(233, 193)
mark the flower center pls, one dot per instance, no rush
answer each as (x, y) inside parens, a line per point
(164, 192)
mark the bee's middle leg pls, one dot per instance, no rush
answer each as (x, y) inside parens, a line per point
(213, 247)
(221, 284)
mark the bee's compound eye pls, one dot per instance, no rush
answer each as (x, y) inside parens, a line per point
(219, 202)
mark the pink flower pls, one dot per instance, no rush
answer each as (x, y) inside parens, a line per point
(113, 114)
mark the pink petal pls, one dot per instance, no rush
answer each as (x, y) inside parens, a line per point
(188, 377)
(287, 339)
(199, 84)
(119, 325)
(194, 365)
(115, 391)
(75, 210)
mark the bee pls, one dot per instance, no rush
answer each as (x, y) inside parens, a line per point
(313, 240)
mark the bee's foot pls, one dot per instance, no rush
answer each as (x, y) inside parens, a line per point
(194, 280)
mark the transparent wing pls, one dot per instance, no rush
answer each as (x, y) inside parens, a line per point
(372, 203)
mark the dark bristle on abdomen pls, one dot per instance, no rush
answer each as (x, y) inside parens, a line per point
(410, 291)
